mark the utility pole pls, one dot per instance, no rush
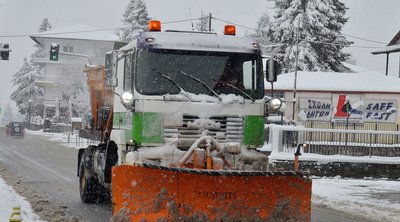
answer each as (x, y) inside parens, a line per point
(209, 23)
(295, 72)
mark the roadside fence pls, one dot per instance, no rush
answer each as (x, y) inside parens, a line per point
(334, 141)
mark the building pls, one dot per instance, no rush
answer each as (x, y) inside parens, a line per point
(320, 99)
(79, 45)
(392, 47)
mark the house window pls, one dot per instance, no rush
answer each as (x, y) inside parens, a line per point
(69, 49)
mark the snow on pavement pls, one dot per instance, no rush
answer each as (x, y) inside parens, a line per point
(9, 198)
(378, 200)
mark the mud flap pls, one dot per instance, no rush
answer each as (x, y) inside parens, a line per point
(154, 193)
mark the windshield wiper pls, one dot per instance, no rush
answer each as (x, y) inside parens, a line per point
(202, 83)
(241, 91)
(182, 91)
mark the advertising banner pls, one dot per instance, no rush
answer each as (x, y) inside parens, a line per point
(380, 111)
(316, 109)
(347, 108)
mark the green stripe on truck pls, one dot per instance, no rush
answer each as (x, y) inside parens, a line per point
(147, 128)
(253, 130)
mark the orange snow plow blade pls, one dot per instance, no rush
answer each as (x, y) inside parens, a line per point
(152, 193)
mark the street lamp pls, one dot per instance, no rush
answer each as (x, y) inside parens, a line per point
(29, 113)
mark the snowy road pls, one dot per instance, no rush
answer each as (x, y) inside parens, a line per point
(45, 173)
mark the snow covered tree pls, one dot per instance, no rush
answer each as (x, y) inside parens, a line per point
(74, 89)
(261, 32)
(135, 19)
(26, 89)
(203, 24)
(317, 26)
(45, 25)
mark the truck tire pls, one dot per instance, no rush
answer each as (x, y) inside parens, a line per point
(87, 186)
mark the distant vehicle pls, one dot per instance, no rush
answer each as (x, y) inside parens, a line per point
(46, 125)
(15, 129)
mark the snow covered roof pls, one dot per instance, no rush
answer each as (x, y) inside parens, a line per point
(199, 41)
(79, 31)
(395, 40)
(361, 80)
(388, 49)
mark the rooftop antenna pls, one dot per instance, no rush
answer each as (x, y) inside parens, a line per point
(190, 14)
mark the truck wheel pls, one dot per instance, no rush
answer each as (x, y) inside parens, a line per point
(104, 195)
(87, 187)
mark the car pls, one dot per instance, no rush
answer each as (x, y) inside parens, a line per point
(15, 129)
(47, 125)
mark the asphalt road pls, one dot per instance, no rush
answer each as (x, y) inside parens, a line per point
(45, 173)
(49, 170)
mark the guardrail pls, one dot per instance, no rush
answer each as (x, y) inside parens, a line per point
(335, 141)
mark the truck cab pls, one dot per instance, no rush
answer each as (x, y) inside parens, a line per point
(178, 86)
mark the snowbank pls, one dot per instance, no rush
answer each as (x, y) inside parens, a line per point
(377, 200)
(10, 198)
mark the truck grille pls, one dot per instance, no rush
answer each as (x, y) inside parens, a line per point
(222, 128)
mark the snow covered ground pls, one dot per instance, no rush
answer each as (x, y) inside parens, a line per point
(377, 200)
(9, 199)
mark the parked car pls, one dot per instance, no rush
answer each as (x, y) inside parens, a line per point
(15, 129)
(46, 125)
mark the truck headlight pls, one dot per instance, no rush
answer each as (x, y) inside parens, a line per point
(127, 98)
(275, 104)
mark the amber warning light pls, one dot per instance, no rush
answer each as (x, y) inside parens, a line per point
(154, 26)
(230, 30)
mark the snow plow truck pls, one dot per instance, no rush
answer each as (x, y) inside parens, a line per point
(180, 116)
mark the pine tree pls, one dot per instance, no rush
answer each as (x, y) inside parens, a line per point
(135, 18)
(45, 25)
(317, 25)
(26, 89)
(73, 86)
(261, 32)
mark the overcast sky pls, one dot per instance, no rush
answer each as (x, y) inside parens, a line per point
(370, 19)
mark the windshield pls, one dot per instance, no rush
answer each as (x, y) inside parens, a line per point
(224, 73)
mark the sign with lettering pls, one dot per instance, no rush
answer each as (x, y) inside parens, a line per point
(380, 111)
(348, 108)
(315, 109)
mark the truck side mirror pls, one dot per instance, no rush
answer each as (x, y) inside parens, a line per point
(111, 64)
(272, 69)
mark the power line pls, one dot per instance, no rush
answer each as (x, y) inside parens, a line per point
(221, 20)
(186, 20)
(352, 36)
(337, 44)
(59, 33)
(368, 40)
(84, 31)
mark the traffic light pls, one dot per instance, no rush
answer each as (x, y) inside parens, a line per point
(54, 51)
(5, 51)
